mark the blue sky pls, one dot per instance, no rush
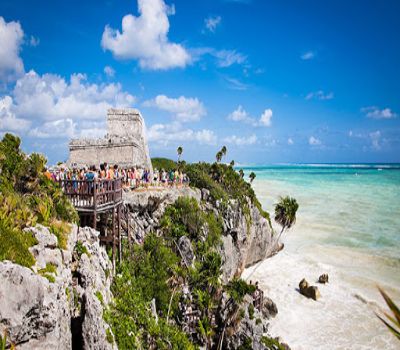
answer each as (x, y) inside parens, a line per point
(274, 81)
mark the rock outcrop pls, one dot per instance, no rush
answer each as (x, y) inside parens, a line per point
(309, 291)
(246, 239)
(57, 304)
(324, 278)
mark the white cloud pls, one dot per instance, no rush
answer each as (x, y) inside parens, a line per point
(224, 58)
(320, 95)
(236, 84)
(290, 141)
(8, 120)
(54, 129)
(185, 109)
(34, 41)
(51, 97)
(265, 119)
(309, 55)
(313, 141)
(212, 22)
(109, 71)
(241, 115)
(376, 113)
(11, 38)
(145, 38)
(375, 139)
(58, 107)
(165, 134)
(241, 141)
(227, 58)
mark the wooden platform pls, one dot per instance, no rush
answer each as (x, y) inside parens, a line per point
(99, 205)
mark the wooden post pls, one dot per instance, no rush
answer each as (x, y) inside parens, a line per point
(94, 203)
(113, 238)
(119, 233)
(128, 229)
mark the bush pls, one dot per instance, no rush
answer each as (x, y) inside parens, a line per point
(251, 311)
(163, 163)
(271, 343)
(238, 288)
(27, 197)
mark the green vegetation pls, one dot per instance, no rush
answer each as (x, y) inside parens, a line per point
(392, 322)
(27, 197)
(100, 297)
(163, 163)
(250, 309)
(109, 336)
(238, 288)
(157, 271)
(271, 343)
(247, 344)
(224, 183)
(285, 213)
(81, 249)
(48, 272)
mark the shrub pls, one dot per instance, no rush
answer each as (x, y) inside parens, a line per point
(163, 163)
(28, 197)
(250, 309)
(238, 288)
(81, 249)
(271, 343)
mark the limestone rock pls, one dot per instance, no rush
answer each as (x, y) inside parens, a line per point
(269, 308)
(186, 249)
(39, 314)
(309, 291)
(324, 278)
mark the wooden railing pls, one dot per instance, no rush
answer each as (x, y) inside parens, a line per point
(93, 194)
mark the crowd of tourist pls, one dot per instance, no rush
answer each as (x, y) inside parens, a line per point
(131, 177)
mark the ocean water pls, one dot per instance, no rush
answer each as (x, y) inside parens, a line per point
(348, 225)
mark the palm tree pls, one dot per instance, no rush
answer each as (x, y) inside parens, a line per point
(285, 213)
(218, 156)
(252, 176)
(241, 173)
(232, 163)
(391, 322)
(224, 151)
(179, 151)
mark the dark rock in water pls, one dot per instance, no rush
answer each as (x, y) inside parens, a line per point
(186, 249)
(269, 308)
(309, 291)
(323, 278)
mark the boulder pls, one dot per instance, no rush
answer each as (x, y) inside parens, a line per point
(269, 308)
(324, 278)
(309, 291)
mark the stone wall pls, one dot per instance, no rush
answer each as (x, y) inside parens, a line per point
(125, 143)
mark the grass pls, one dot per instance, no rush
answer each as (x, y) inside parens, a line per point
(81, 249)
(61, 230)
(15, 244)
(100, 297)
(48, 272)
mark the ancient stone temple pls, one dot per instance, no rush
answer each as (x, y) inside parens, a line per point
(125, 143)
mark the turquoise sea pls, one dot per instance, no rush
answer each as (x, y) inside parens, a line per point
(348, 225)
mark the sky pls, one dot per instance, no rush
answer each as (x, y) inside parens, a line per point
(273, 81)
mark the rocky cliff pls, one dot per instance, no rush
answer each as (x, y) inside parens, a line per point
(58, 303)
(246, 239)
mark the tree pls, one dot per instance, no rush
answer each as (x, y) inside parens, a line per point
(241, 173)
(285, 213)
(218, 156)
(179, 151)
(232, 163)
(224, 151)
(252, 176)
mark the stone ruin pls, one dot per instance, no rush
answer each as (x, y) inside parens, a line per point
(124, 144)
